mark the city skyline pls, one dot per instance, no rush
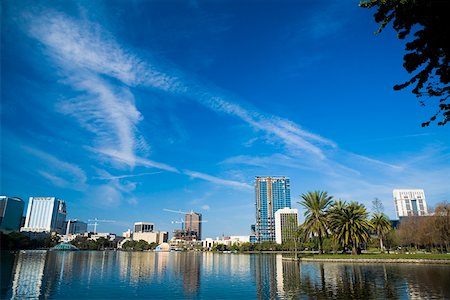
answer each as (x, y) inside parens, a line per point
(123, 109)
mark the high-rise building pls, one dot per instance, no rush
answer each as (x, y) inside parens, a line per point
(286, 224)
(272, 194)
(410, 202)
(75, 227)
(193, 225)
(11, 210)
(45, 214)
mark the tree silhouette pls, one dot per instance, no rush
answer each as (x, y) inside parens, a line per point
(425, 24)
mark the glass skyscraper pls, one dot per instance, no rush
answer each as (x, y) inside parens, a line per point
(272, 194)
(11, 209)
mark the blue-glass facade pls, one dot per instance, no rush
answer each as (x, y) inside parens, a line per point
(11, 210)
(272, 194)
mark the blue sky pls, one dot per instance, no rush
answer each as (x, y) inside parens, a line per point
(124, 108)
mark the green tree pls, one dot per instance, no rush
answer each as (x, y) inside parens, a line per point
(425, 24)
(142, 245)
(316, 204)
(382, 226)
(247, 246)
(14, 241)
(442, 225)
(392, 239)
(220, 247)
(351, 226)
(51, 241)
(335, 211)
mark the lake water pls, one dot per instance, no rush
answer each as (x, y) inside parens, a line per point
(196, 275)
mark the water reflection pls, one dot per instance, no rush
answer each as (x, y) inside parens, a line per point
(41, 274)
(188, 266)
(367, 281)
(28, 275)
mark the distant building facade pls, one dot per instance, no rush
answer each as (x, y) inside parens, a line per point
(193, 225)
(410, 202)
(143, 227)
(76, 227)
(11, 210)
(272, 194)
(286, 224)
(45, 214)
(144, 231)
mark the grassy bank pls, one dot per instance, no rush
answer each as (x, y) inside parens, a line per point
(379, 256)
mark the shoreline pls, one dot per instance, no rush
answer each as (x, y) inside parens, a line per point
(378, 260)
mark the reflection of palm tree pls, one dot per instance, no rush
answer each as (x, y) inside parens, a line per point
(350, 225)
(381, 225)
(316, 204)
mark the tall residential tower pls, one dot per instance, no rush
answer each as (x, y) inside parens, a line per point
(272, 194)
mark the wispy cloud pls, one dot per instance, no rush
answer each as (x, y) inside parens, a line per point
(110, 114)
(123, 157)
(84, 52)
(88, 54)
(87, 46)
(107, 176)
(59, 172)
(219, 181)
(375, 161)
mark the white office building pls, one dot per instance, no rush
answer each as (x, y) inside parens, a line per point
(410, 202)
(45, 214)
(286, 224)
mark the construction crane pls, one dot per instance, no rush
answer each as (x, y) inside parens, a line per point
(96, 223)
(182, 222)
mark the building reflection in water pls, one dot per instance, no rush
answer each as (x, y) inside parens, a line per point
(187, 265)
(41, 274)
(136, 267)
(28, 274)
(265, 273)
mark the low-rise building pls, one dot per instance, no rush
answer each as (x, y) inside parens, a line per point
(158, 237)
(286, 224)
(144, 231)
(209, 243)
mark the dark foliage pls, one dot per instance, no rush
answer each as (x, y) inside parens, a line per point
(426, 26)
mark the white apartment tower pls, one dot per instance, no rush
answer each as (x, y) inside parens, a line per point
(410, 202)
(45, 214)
(286, 224)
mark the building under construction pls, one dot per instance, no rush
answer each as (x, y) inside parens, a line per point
(191, 229)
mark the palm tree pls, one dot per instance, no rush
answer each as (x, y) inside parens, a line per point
(351, 226)
(381, 225)
(316, 204)
(335, 210)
